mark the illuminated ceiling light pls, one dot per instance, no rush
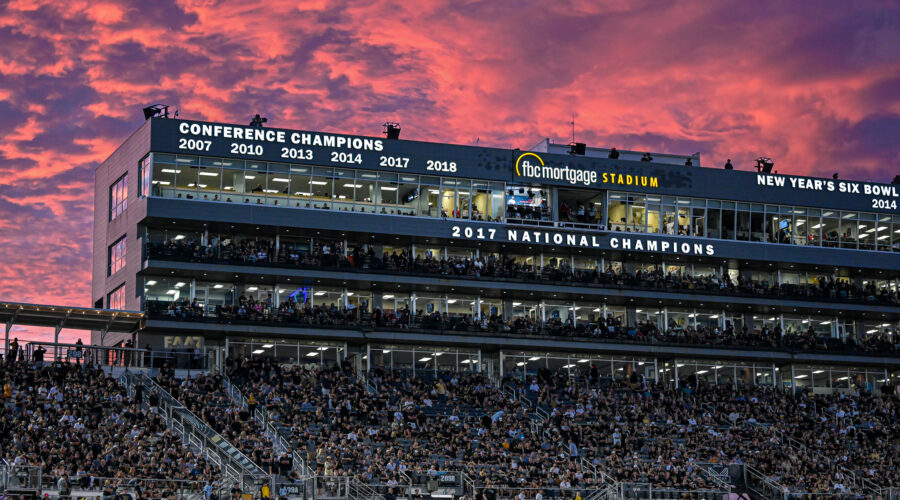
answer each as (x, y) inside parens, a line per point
(172, 292)
(451, 301)
(210, 174)
(319, 294)
(801, 376)
(701, 372)
(534, 358)
(319, 183)
(387, 297)
(385, 351)
(151, 282)
(218, 286)
(818, 372)
(251, 177)
(520, 363)
(312, 353)
(268, 346)
(258, 351)
(424, 360)
(252, 288)
(353, 185)
(389, 188)
(280, 179)
(180, 284)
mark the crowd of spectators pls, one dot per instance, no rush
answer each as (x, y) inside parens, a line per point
(206, 396)
(81, 428)
(598, 327)
(839, 436)
(394, 425)
(495, 266)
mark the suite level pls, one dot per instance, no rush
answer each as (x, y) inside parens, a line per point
(293, 186)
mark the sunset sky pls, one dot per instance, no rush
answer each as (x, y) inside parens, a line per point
(813, 84)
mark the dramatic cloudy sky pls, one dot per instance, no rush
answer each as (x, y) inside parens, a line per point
(814, 84)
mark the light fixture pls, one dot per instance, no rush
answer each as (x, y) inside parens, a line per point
(151, 283)
(218, 286)
(258, 351)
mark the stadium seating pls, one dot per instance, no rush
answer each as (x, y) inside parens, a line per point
(75, 422)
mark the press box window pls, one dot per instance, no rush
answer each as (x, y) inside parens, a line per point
(116, 260)
(116, 298)
(118, 197)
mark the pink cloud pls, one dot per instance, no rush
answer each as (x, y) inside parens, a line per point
(815, 85)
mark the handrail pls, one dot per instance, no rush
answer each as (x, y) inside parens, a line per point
(198, 433)
(272, 432)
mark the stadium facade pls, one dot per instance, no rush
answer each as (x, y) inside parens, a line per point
(322, 247)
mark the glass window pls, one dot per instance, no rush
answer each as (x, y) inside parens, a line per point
(186, 177)
(408, 194)
(209, 179)
(429, 199)
(233, 180)
(118, 197)
(849, 229)
(145, 171)
(299, 188)
(116, 298)
(883, 233)
(278, 184)
(116, 257)
(728, 222)
(321, 184)
(867, 228)
(365, 191)
(387, 192)
(617, 212)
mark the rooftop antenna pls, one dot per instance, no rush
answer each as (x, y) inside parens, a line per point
(573, 127)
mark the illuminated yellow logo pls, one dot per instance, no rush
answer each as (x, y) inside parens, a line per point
(523, 155)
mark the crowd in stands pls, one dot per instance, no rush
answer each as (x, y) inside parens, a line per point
(81, 428)
(206, 396)
(839, 435)
(403, 428)
(610, 328)
(499, 266)
(394, 425)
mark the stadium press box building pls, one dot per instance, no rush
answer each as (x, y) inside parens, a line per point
(314, 247)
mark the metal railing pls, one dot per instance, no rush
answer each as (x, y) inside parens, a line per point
(109, 356)
(646, 491)
(275, 434)
(198, 434)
